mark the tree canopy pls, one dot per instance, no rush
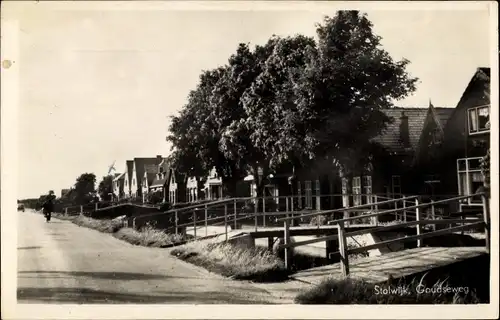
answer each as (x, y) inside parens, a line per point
(291, 101)
(84, 191)
(105, 188)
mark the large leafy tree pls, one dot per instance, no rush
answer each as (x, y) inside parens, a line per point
(291, 101)
(105, 188)
(84, 191)
(339, 94)
(192, 137)
(201, 132)
(269, 108)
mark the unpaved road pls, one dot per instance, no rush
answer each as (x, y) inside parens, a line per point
(59, 262)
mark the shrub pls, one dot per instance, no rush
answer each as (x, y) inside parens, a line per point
(103, 225)
(354, 291)
(232, 261)
(165, 206)
(148, 237)
(154, 197)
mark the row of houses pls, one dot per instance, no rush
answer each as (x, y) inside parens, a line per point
(430, 151)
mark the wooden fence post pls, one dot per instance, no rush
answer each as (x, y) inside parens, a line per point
(419, 226)
(397, 213)
(225, 219)
(433, 214)
(176, 223)
(264, 211)
(256, 207)
(81, 210)
(206, 221)
(376, 209)
(66, 211)
(404, 212)
(286, 238)
(96, 206)
(344, 255)
(486, 217)
(194, 221)
(235, 215)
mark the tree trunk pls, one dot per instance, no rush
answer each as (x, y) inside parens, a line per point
(230, 187)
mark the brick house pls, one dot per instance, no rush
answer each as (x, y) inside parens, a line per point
(467, 138)
(161, 180)
(140, 166)
(391, 173)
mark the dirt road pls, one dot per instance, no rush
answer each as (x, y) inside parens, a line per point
(59, 262)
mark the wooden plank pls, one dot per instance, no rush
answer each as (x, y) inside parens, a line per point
(344, 252)
(288, 251)
(376, 269)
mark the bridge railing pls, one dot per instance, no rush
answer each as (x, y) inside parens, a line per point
(229, 214)
(342, 234)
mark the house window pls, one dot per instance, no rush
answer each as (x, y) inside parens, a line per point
(308, 191)
(356, 190)
(367, 188)
(396, 186)
(479, 119)
(345, 195)
(470, 178)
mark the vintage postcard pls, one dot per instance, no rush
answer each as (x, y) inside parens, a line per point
(242, 160)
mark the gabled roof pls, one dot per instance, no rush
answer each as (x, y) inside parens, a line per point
(158, 182)
(130, 169)
(150, 176)
(119, 176)
(484, 70)
(390, 137)
(146, 165)
(441, 115)
(481, 74)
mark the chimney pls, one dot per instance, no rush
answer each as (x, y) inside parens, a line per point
(404, 132)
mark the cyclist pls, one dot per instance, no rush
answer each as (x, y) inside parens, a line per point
(48, 206)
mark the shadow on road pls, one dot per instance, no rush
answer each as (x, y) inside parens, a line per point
(101, 275)
(28, 248)
(89, 296)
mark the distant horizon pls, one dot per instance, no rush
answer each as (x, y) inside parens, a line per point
(100, 86)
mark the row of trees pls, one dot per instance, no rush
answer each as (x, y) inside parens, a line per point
(290, 101)
(83, 192)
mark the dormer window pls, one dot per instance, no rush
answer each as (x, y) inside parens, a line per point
(479, 119)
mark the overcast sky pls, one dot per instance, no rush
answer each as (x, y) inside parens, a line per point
(98, 86)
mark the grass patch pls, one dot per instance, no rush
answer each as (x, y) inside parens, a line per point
(148, 237)
(61, 216)
(354, 291)
(102, 225)
(254, 264)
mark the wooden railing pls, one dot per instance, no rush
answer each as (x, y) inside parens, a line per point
(231, 214)
(342, 234)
